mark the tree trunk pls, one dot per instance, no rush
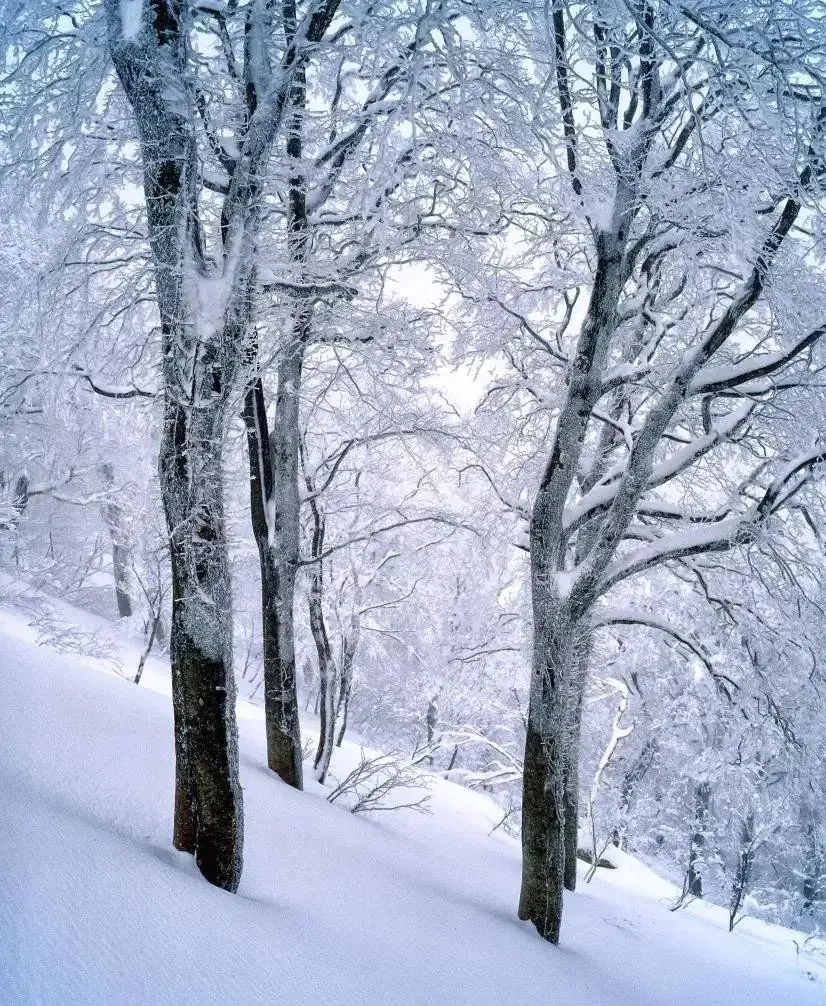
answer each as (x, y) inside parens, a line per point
(812, 873)
(208, 801)
(432, 721)
(348, 655)
(571, 783)
(121, 554)
(543, 831)
(547, 746)
(327, 675)
(694, 876)
(343, 708)
(349, 645)
(156, 621)
(283, 727)
(742, 875)
(277, 590)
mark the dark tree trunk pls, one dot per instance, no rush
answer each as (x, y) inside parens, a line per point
(560, 643)
(348, 653)
(274, 464)
(550, 803)
(19, 504)
(694, 875)
(326, 665)
(814, 867)
(571, 785)
(208, 801)
(543, 833)
(277, 591)
(742, 874)
(543, 793)
(156, 621)
(20, 496)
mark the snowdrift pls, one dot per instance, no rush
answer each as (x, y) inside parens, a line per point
(357, 910)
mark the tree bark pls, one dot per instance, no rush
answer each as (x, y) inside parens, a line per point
(327, 683)
(571, 780)
(201, 357)
(694, 875)
(349, 646)
(282, 726)
(742, 875)
(278, 530)
(343, 710)
(208, 801)
(812, 872)
(547, 743)
(121, 553)
(543, 833)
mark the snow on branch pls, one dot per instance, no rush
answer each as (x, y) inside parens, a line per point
(111, 390)
(722, 535)
(716, 379)
(603, 494)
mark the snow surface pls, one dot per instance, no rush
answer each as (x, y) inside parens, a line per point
(131, 12)
(394, 909)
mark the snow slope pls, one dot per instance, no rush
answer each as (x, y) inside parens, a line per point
(389, 910)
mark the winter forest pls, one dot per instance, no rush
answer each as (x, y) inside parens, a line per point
(442, 379)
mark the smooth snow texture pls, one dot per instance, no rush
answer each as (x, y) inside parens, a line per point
(400, 908)
(131, 12)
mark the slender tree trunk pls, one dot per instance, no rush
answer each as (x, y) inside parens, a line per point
(432, 721)
(694, 875)
(349, 646)
(327, 673)
(279, 448)
(343, 709)
(283, 727)
(121, 553)
(156, 620)
(571, 783)
(348, 654)
(742, 875)
(812, 872)
(280, 685)
(277, 590)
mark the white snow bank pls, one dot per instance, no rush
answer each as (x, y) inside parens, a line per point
(403, 908)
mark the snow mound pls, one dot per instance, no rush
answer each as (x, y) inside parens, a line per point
(357, 910)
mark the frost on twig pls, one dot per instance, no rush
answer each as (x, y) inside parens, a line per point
(66, 638)
(383, 782)
(510, 820)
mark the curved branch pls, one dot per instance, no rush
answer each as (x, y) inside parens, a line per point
(616, 616)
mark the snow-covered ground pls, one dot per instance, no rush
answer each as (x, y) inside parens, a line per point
(388, 910)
